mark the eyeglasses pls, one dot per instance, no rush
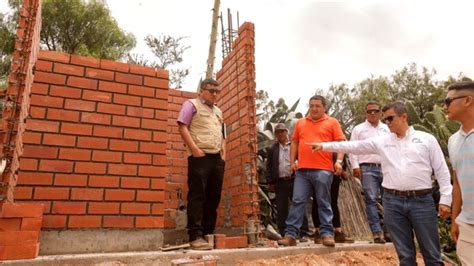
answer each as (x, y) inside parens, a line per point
(449, 100)
(388, 119)
(213, 91)
(372, 111)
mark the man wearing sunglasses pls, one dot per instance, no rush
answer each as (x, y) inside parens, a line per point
(459, 106)
(367, 166)
(409, 158)
(201, 127)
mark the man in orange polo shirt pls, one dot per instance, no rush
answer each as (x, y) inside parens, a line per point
(314, 171)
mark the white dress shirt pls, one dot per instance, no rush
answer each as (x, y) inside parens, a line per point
(365, 131)
(407, 163)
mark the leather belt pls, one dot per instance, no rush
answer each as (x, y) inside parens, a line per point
(371, 164)
(408, 193)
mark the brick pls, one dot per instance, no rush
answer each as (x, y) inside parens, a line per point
(28, 164)
(158, 148)
(124, 121)
(110, 132)
(39, 88)
(83, 83)
(122, 169)
(40, 152)
(34, 178)
(118, 222)
(70, 180)
(23, 193)
(157, 209)
(59, 140)
(236, 242)
(162, 94)
(107, 156)
(54, 221)
(137, 158)
(44, 66)
(87, 194)
(51, 193)
(84, 221)
(135, 182)
(85, 61)
(10, 224)
(103, 181)
(140, 112)
(152, 171)
(50, 78)
(31, 224)
(92, 143)
(142, 70)
(129, 78)
(76, 129)
(90, 168)
(162, 73)
(62, 207)
(103, 208)
(156, 82)
(159, 159)
(55, 166)
(127, 100)
(219, 240)
(164, 137)
(141, 91)
(95, 118)
(112, 87)
(79, 105)
(47, 101)
(37, 112)
(119, 195)
(111, 108)
(68, 69)
(21, 251)
(99, 74)
(158, 183)
(150, 222)
(137, 134)
(123, 145)
(75, 154)
(150, 196)
(53, 56)
(155, 103)
(154, 124)
(113, 65)
(135, 208)
(15, 210)
(98, 96)
(65, 92)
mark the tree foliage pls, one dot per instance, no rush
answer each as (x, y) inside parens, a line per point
(85, 28)
(7, 40)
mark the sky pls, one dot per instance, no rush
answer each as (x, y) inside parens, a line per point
(302, 45)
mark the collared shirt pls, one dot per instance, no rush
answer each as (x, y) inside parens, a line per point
(407, 163)
(284, 160)
(461, 154)
(366, 131)
(188, 110)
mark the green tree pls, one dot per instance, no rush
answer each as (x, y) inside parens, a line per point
(85, 28)
(7, 40)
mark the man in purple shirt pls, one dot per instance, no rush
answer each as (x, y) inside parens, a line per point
(201, 127)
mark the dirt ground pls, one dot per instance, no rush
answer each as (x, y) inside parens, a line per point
(336, 258)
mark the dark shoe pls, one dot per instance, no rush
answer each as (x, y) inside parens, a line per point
(340, 237)
(328, 241)
(317, 239)
(378, 238)
(200, 244)
(287, 241)
(387, 237)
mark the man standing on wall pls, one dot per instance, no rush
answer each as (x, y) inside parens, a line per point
(459, 106)
(367, 166)
(201, 127)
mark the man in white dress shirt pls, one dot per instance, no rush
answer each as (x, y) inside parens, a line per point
(409, 158)
(367, 166)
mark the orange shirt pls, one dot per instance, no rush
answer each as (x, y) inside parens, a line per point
(322, 130)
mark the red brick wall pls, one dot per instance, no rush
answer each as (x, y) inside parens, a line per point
(95, 143)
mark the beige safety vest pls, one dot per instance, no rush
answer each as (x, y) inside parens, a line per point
(206, 128)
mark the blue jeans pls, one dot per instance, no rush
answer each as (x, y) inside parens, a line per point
(407, 215)
(372, 184)
(307, 182)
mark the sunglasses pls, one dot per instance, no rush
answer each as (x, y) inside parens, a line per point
(388, 119)
(372, 111)
(213, 91)
(449, 100)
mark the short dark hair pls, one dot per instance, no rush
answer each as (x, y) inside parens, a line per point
(372, 103)
(462, 85)
(319, 98)
(206, 82)
(399, 108)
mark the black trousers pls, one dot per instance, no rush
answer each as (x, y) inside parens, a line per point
(283, 197)
(336, 219)
(205, 177)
